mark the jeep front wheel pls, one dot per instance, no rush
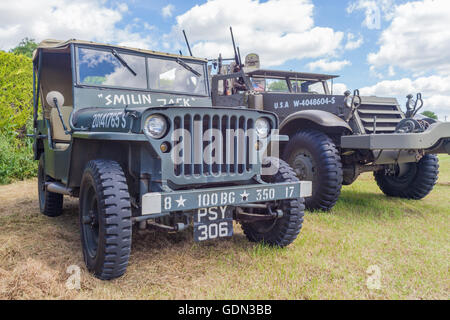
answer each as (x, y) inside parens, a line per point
(105, 219)
(280, 231)
(314, 157)
(415, 183)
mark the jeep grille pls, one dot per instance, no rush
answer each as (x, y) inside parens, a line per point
(193, 165)
(235, 160)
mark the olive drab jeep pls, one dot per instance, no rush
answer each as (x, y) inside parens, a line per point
(333, 138)
(133, 134)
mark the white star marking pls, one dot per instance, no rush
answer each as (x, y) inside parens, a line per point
(244, 195)
(180, 201)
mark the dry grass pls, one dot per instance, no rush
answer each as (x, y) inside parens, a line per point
(407, 240)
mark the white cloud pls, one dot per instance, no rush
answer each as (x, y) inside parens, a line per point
(66, 19)
(277, 30)
(352, 42)
(374, 10)
(435, 91)
(339, 88)
(328, 66)
(167, 11)
(418, 38)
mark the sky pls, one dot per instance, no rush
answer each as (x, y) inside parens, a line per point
(383, 47)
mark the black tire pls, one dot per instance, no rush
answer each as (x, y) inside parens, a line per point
(283, 231)
(50, 203)
(416, 183)
(314, 157)
(105, 219)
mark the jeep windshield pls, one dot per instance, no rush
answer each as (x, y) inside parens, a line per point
(103, 68)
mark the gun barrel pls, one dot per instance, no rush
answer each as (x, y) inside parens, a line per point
(236, 57)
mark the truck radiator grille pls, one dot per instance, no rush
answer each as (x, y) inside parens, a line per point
(387, 117)
(232, 153)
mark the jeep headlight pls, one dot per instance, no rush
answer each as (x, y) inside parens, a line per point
(262, 127)
(155, 126)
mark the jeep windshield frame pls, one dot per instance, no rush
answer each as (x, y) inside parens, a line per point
(102, 76)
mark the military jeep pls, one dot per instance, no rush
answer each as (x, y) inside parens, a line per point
(334, 138)
(134, 135)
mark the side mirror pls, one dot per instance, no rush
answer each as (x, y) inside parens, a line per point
(52, 95)
(56, 100)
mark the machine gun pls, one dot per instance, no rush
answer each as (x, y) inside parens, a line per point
(237, 53)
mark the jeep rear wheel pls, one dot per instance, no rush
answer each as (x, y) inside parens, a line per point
(50, 203)
(280, 231)
(314, 157)
(416, 183)
(105, 219)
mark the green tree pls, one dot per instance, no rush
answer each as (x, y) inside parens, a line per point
(430, 114)
(278, 85)
(25, 47)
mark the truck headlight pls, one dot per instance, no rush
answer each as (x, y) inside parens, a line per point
(348, 101)
(411, 104)
(262, 127)
(155, 126)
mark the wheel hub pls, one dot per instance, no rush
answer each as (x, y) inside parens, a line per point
(91, 223)
(303, 166)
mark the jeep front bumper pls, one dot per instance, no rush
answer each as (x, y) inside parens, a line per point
(157, 204)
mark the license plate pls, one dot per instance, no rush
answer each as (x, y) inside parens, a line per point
(212, 223)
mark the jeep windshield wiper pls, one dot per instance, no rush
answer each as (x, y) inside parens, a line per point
(122, 61)
(188, 67)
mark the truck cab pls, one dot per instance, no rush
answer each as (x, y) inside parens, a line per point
(333, 138)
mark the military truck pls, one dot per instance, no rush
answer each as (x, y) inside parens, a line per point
(333, 137)
(133, 134)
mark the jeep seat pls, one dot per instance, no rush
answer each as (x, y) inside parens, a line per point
(60, 138)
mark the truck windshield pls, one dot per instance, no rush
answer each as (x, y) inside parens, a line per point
(170, 75)
(281, 85)
(269, 85)
(102, 68)
(299, 86)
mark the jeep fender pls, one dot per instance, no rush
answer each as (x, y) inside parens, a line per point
(317, 119)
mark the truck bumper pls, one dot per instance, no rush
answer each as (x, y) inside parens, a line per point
(402, 141)
(157, 203)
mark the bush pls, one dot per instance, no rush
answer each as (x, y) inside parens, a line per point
(16, 92)
(16, 159)
(16, 110)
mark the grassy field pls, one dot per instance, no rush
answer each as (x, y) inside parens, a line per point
(407, 242)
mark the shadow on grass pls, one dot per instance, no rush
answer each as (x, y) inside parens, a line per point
(153, 240)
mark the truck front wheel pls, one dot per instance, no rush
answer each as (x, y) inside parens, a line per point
(314, 157)
(281, 231)
(417, 182)
(105, 219)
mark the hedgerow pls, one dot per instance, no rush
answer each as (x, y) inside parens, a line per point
(16, 109)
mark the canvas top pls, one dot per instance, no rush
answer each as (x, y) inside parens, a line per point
(55, 45)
